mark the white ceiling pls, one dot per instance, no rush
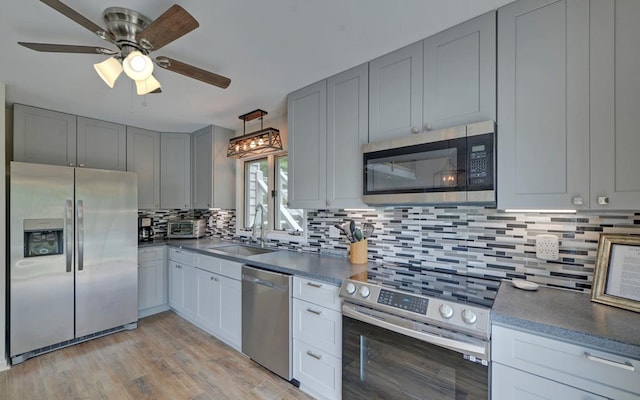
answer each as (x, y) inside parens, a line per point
(267, 47)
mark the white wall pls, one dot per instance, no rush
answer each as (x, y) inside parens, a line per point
(3, 225)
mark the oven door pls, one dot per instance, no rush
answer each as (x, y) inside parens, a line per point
(378, 363)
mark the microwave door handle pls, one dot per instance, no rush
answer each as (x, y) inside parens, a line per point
(80, 228)
(69, 233)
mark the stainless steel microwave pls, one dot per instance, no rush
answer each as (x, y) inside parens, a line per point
(454, 165)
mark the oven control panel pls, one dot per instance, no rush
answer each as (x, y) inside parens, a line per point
(431, 310)
(403, 301)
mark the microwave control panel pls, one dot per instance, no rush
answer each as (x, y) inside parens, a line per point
(480, 150)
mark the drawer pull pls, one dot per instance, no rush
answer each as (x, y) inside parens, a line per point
(310, 354)
(312, 311)
(315, 285)
(624, 365)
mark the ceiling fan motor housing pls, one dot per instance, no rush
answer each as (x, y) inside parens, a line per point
(125, 24)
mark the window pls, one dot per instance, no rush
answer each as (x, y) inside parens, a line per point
(266, 184)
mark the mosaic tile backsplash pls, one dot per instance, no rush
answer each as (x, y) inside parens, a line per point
(469, 240)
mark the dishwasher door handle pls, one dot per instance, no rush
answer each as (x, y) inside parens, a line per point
(262, 282)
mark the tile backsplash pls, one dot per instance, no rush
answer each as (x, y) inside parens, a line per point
(463, 239)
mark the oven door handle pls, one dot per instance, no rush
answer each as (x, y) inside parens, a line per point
(456, 345)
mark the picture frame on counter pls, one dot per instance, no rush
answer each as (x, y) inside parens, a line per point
(616, 280)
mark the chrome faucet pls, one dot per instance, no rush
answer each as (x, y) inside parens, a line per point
(260, 207)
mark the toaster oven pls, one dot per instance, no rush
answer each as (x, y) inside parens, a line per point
(186, 229)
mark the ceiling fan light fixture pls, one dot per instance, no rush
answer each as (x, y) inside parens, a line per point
(109, 70)
(147, 86)
(137, 66)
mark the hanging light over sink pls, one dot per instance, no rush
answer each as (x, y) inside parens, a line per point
(251, 144)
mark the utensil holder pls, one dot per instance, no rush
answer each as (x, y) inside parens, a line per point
(358, 252)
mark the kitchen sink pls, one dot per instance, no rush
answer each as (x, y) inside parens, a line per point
(241, 250)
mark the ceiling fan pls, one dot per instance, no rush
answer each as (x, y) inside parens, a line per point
(135, 36)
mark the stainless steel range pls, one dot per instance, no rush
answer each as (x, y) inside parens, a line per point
(409, 333)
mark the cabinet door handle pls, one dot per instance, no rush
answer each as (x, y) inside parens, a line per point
(577, 201)
(624, 365)
(427, 127)
(213, 278)
(603, 200)
(316, 356)
(315, 285)
(312, 311)
(415, 129)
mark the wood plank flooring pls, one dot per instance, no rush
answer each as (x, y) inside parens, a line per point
(166, 357)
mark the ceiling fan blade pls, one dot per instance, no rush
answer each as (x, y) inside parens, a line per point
(66, 48)
(172, 24)
(193, 72)
(79, 18)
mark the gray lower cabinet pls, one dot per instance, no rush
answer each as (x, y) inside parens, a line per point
(327, 125)
(566, 115)
(213, 173)
(43, 136)
(101, 144)
(182, 283)
(143, 157)
(528, 366)
(317, 338)
(206, 291)
(152, 281)
(175, 170)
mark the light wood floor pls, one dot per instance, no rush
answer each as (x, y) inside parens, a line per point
(164, 358)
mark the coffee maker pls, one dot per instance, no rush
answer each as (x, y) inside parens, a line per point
(145, 231)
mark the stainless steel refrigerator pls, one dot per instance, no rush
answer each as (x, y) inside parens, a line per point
(73, 264)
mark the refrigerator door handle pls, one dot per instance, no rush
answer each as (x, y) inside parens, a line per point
(69, 229)
(80, 227)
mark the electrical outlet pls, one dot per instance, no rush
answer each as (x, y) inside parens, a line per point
(547, 247)
(219, 223)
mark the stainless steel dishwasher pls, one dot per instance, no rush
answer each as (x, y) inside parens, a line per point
(266, 319)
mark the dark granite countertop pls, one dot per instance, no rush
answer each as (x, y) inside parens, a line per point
(330, 269)
(568, 316)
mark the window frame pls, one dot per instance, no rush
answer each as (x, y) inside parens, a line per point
(270, 232)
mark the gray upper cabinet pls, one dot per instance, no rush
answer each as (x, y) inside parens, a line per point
(101, 144)
(614, 116)
(445, 80)
(43, 136)
(543, 104)
(307, 134)
(460, 74)
(54, 138)
(143, 157)
(328, 124)
(347, 131)
(567, 105)
(213, 173)
(175, 170)
(395, 93)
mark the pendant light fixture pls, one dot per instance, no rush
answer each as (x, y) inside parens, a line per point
(261, 142)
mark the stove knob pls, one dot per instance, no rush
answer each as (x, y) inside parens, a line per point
(446, 311)
(364, 291)
(469, 317)
(350, 288)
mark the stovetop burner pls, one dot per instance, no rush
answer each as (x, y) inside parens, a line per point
(446, 285)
